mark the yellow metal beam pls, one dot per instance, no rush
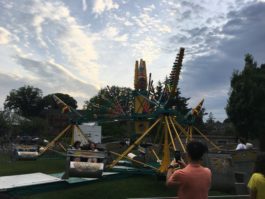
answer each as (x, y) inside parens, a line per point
(178, 137)
(180, 127)
(166, 153)
(153, 151)
(191, 131)
(207, 139)
(51, 144)
(170, 134)
(134, 144)
(60, 144)
(136, 161)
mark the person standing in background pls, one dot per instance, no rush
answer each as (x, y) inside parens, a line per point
(256, 183)
(241, 144)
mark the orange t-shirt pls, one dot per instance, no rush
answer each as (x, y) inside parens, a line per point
(193, 181)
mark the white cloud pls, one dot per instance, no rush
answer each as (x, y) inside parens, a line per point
(69, 40)
(146, 49)
(128, 23)
(149, 8)
(4, 36)
(84, 5)
(62, 50)
(56, 77)
(149, 23)
(113, 34)
(101, 5)
(122, 38)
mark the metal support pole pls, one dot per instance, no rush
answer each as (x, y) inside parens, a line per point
(180, 127)
(147, 165)
(207, 139)
(175, 130)
(166, 153)
(153, 151)
(55, 139)
(170, 134)
(60, 144)
(134, 144)
(82, 133)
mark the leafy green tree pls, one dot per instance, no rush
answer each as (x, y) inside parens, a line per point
(210, 119)
(26, 101)
(246, 104)
(178, 102)
(34, 127)
(4, 124)
(110, 102)
(48, 101)
(112, 108)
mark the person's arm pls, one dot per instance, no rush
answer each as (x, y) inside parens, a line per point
(253, 194)
(252, 186)
(171, 175)
(171, 178)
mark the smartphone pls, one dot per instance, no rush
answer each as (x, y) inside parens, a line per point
(177, 156)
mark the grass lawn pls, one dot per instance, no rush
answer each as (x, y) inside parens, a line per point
(134, 186)
(45, 165)
(119, 188)
(137, 186)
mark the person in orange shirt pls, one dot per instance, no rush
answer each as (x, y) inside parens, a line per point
(256, 183)
(192, 180)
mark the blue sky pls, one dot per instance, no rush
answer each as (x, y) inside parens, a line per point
(80, 46)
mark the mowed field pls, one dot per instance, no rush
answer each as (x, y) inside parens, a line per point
(112, 188)
(119, 188)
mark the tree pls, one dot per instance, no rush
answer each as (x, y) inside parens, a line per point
(178, 102)
(246, 105)
(110, 102)
(4, 124)
(112, 107)
(48, 101)
(26, 101)
(210, 119)
(34, 127)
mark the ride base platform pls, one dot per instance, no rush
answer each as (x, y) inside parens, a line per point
(27, 184)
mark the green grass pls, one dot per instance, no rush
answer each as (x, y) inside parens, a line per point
(135, 186)
(140, 186)
(119, 188)
(45, 165)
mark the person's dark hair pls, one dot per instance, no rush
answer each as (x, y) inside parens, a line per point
(196, 149)
(242, 140)
(92, 144)
(260, 163)
(77, 143)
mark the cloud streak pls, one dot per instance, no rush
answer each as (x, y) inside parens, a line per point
(4, 36)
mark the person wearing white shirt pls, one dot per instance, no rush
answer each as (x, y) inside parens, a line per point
(241, 144)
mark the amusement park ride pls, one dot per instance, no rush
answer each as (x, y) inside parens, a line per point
(152, 115)
(157, 121)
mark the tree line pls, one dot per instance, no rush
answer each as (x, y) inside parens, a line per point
(246, 103)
